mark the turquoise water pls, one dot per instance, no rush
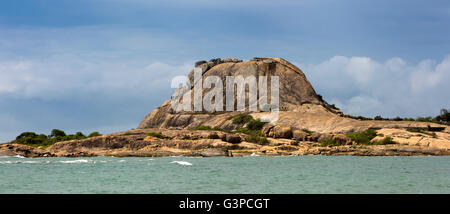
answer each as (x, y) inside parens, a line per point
(308, 174)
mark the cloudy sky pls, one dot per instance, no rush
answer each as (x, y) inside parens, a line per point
(98, 65)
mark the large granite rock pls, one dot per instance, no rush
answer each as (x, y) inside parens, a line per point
(300, 106)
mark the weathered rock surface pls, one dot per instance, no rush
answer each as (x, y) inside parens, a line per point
(300, 106)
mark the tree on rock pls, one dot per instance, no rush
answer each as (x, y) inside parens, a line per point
(57, 133)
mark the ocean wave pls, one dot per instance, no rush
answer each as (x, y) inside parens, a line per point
(15, 162)
(15, 156)
(6, 162)
(76, 161)
(185, 163)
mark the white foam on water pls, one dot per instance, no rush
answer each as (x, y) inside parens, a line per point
(254, 154)
(76, 161)
(121, 161)
(5, 162)
(28, 161)
(19, 156)
(14, 162)
(185, 163)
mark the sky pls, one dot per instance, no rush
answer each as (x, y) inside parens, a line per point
(102, 65)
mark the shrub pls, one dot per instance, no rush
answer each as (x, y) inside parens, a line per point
(255, 124)
(378, 118)
(242, 119)
(334, 107)
(57, 133)
(257, 139)
(155, 134)
(42, 140)
(202, 127)
(444, 117)
(79, 135)
(26, 134)
(94, 134)
(362, 137)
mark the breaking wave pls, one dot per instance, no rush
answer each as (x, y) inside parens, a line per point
(185, 163)
(76, 161)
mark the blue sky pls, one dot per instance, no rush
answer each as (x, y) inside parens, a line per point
(103, 65)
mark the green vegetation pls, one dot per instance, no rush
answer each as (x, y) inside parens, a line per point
(202, 127)
(252, 128)
(155, 134)
(418, 130)
(255, 124)
(442, 118)
(56, 135)
(334, 107)
(242, 119)
(256, 138)
(363, 137)
(94, 134)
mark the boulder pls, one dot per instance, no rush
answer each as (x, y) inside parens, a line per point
(267, 129)
(314, 137)
(280, 131)
(299, 135)
(233, 138)
(324, 137)
(342, 139)
(213, 135)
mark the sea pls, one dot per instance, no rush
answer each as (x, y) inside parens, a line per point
(252, 174)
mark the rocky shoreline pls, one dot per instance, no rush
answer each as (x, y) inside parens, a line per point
(200, 143)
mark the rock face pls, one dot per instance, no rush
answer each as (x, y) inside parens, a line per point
(300, 107)
(295, 90)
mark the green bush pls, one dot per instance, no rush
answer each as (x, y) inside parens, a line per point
(57, 133)
(255, 124)
(333, 106)
(42, 140)
(79, 135)
(94, 134)
(202, 127)
(155, 134)
(444, 117)
(242, 119)
(257, 139)
(362, 137)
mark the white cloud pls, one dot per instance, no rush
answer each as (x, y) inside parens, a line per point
(69, 75)
(363, 86)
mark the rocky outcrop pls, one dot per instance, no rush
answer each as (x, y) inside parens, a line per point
(22, 150)
(304, 121)
(300, 107)
(295, 90)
